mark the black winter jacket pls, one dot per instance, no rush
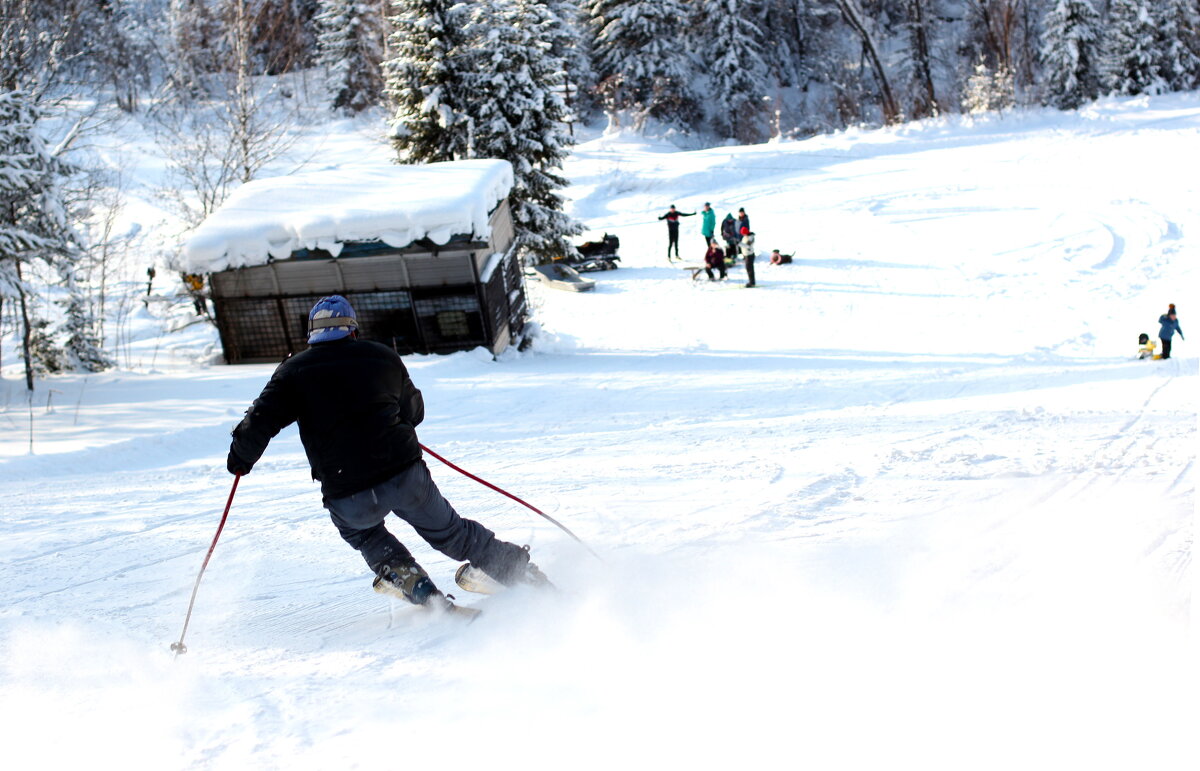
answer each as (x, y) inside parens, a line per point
(357, 409)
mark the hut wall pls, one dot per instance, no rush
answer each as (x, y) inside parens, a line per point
(414, 300)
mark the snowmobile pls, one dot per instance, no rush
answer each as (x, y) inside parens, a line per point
(596, 255)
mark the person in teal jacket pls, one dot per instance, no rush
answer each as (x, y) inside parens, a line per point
(1170, 325)
(708, 224)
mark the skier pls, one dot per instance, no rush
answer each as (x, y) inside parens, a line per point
(729, 232)
(358, 410)
(746, 247)
(672, 217)
(708, 224)
(1170, 325)
(714, 258)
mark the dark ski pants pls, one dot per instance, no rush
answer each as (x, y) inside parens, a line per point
(720, 269)
(1166, 347)
(749, 270)
(413, 496)
(673, 239)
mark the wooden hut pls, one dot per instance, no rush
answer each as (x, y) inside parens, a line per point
(423, 253)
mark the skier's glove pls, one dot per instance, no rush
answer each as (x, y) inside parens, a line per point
(237, 466)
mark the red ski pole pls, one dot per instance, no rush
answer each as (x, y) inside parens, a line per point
(179, 647)
(506, 493)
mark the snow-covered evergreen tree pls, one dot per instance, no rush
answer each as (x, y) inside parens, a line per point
(197, 45)
(516, 113)
(988, 90)
(1133, 56)
(427, 80)
(1071, 53)
(350, 45)
(731, 46)
(1179, 43)
(569, 44)
(642, 60)
(34, 227)
(82, 348)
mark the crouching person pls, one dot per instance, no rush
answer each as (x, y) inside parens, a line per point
(358, 410)
(714, 259)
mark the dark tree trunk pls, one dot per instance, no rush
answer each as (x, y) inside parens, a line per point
(27, 333)
(920, 44)
(853, 16)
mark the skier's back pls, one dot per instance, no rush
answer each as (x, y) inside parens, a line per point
(358, 409)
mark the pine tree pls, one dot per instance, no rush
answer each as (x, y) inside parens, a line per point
(197, 45)
(427, 80)
(34, 227)
(1133, 57)
(569, 44)
(641, 59)
(1071, 54)
(737, 73)
(516, 114)
(350, 45)
(1179, 43)
(82, 350)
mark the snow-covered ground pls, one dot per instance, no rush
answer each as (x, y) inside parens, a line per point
(910, 504)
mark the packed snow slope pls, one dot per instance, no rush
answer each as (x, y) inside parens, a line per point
(911, 503)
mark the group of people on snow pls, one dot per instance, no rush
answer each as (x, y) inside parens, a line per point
(1168, 327)
(735, 232)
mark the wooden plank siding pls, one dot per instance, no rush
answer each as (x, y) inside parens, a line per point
(416, 299)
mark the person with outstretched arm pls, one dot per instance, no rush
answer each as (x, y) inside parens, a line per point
(358, 412)
(672, 217)
(1170, 325)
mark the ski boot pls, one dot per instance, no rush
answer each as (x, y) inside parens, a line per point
(473, 579)
(412, 584)
(409, 582)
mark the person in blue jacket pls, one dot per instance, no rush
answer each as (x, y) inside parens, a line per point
(1170, 325)
(708, 225)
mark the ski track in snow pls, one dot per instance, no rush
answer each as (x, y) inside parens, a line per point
(912, 501)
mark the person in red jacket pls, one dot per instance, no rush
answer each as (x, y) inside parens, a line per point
(672, 217)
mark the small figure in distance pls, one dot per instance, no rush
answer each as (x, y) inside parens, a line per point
(708, 223)
(714, 259)
(780, 259)
(672, 217)
(1170, 325)
(1146, 351)
(729, 232)
(746, 248)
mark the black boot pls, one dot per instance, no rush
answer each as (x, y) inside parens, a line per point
(407, 581)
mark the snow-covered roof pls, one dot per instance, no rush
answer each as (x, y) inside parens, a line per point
(324, 209)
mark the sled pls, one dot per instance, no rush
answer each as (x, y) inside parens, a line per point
(559, 276)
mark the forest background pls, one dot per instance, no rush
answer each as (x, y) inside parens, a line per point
(224, 86)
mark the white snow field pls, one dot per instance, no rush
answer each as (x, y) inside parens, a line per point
(912, 503)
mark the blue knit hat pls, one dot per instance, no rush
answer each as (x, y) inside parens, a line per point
(331, 318)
